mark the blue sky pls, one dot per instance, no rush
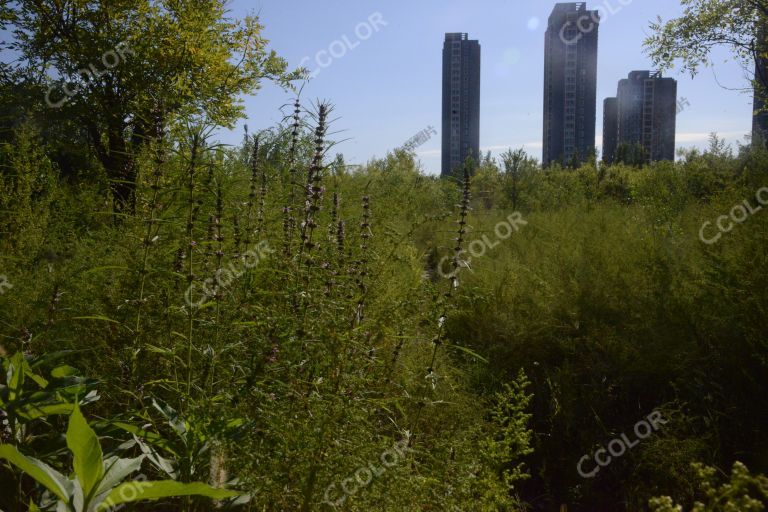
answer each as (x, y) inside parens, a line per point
(387, 87)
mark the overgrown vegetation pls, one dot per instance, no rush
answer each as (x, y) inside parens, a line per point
(319, 333)
(259, 328)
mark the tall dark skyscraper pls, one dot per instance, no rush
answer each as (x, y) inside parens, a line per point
(570, 83)
(645, 116)
(461, 101)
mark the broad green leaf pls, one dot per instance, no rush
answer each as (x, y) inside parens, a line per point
(141, 491)
(241, 500)
(63, 371)
(115, 471)
(235, 423)
(91, 397)
(45, 475)
(84, 445)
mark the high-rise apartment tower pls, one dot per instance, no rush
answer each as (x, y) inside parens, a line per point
(570, 84)
(461, 101)
(645, 117)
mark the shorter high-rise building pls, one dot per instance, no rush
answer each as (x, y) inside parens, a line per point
(610, 129)
(643, 117)
(461, 101)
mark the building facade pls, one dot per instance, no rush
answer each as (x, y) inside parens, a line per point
(570, 84)
(645, 117)
(461, 101)
(610, 129)
(760, 115)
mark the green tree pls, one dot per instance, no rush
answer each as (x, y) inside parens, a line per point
(738, 25)
(123, 71)
(631, 154)
(516, 163)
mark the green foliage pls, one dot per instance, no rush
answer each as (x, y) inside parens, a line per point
(120, 74)
(27, 396)
(613, 306)
(28, 187)
(634, 155)
(505, 450)
(267, 320)
(314, 356)
(704, 25)
(742, 493)
(98, 483)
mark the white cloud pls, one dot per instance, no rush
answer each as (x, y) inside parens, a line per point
(685, 139)
(692, 137)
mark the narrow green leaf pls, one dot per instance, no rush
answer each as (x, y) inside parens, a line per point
(151, 437)
(29, 373)
(467, 351)
(173, 417)
(130, 492)
(15, 376)
(106, 267)
(50, 357)
(40, 471)
(84, 445)
(96, 317)
(32, 412)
